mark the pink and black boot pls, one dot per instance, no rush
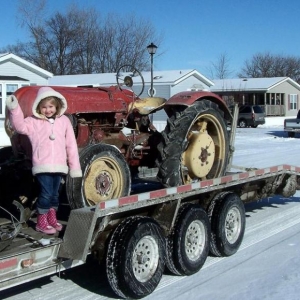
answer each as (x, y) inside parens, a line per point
(42, 225)
(52, 220)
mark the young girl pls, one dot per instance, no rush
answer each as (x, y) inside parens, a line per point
(54, 148)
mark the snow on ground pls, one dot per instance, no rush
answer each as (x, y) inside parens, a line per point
(269, 144)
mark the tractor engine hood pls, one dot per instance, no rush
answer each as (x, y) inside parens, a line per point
(80, 100)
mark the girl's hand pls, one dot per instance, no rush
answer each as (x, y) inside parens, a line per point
(11, 102)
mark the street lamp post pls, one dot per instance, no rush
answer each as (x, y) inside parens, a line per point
(152, 50)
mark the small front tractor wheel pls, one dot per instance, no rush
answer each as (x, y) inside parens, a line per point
(106, 176)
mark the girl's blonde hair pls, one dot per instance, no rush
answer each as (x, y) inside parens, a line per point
(53, 100)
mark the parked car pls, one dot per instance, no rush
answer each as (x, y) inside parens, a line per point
(250, 115)
(292, 126)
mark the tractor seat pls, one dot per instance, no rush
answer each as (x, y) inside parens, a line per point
(148, 105)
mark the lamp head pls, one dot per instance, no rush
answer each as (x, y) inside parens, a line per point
(151, 49)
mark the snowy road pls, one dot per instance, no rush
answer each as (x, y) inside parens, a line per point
(267, 266)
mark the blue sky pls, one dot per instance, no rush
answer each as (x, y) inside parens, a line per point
(196, 32)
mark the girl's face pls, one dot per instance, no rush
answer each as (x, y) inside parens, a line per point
(48, 109)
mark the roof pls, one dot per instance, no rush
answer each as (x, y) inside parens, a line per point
(12, 78)
(250, 84)
(4, 57)
(172, 77)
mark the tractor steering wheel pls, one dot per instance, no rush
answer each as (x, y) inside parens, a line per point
(125, 75)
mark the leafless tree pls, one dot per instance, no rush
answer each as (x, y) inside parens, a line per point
(123, 41)
(270, 65)
(81, 40)
(221, 68)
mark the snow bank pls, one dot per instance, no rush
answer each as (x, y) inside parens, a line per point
(275, 121)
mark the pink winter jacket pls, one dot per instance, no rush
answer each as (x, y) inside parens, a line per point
(48, 155)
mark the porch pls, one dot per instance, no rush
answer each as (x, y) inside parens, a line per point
(271, 103)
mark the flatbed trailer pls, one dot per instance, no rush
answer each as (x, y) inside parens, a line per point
(137, 236)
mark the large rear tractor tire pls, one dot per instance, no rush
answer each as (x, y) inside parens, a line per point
(194, 146)
(106, 176)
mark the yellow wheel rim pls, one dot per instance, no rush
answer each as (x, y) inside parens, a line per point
(206, 152)
(103, 181)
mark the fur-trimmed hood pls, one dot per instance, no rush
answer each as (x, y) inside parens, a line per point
(45, 92)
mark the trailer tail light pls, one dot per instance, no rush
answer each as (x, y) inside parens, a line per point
(25, 263)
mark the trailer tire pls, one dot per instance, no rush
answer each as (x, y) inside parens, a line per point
(188, 244)
(194, 145)
(227, 218)
(135, 257)
(106, 176)
(291, 134)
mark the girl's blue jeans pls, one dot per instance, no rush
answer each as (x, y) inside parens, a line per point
(49, 191)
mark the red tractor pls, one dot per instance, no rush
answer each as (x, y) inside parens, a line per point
(194, 145)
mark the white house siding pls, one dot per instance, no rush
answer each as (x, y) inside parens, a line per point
(158, 118)
(167, 91)
(161, 90)
(12, 69)
(4, 139)
(288, 89)
(188, 84)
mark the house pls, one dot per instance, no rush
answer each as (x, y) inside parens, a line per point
(16, 72)
(165, 84)
(278, 96)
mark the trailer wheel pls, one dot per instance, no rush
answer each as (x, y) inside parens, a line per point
(227, 217)
(291, 134)
(135, 257)
(194, 145)
(188, 244)
(106, 176)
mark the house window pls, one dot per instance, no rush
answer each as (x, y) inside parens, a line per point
(5, 91)
(293, 101)
(10, 89)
